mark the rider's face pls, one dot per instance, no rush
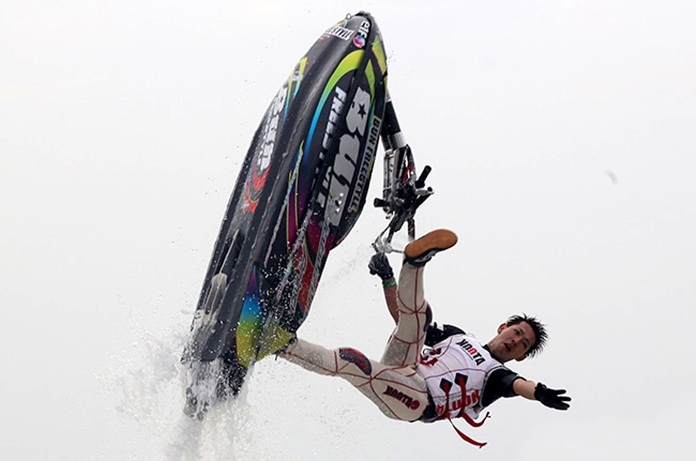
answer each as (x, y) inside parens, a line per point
(512, 342)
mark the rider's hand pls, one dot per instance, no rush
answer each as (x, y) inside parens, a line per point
(379, 265)
(552, 398)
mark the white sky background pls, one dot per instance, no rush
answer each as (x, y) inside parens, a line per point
(561, 135)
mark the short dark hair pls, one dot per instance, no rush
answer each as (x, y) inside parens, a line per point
(538, 328)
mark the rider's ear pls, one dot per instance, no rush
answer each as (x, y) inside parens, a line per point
(502, 327)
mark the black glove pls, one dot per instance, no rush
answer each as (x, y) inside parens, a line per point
(552, 398)
(379, 265)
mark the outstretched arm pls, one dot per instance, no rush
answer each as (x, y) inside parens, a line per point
(524, 388)
(552, 398)
(379, 265)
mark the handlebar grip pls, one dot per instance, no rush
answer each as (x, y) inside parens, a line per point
(379, 203)
(420, 182)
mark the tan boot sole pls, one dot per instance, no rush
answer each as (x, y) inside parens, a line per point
(437, 240)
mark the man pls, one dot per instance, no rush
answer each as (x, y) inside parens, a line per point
(455, 376)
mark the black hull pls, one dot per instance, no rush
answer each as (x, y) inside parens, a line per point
(301, 188)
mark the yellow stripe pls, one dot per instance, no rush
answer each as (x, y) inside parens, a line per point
(378, 50)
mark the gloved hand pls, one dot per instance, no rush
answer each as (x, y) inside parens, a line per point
(552, 398)
(379, 265)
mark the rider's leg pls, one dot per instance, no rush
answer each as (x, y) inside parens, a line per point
(405, 345)
(406, 342)
(399, 392)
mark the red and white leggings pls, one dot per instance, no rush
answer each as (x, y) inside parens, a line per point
(392, 383)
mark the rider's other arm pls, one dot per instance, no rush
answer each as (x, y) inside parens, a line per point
(379, 266)
(390, 298)
(552, 398)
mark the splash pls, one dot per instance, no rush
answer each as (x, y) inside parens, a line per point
(150, 391)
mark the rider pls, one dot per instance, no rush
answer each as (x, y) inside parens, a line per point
(455, 375)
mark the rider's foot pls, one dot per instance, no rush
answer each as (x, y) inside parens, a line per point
(276, 343)
(421, 250)
(290, 342)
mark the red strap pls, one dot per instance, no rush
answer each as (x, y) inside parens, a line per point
(462, 384)
(464, 436)
(473, 422)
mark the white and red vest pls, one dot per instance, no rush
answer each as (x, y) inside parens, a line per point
(455, 371)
